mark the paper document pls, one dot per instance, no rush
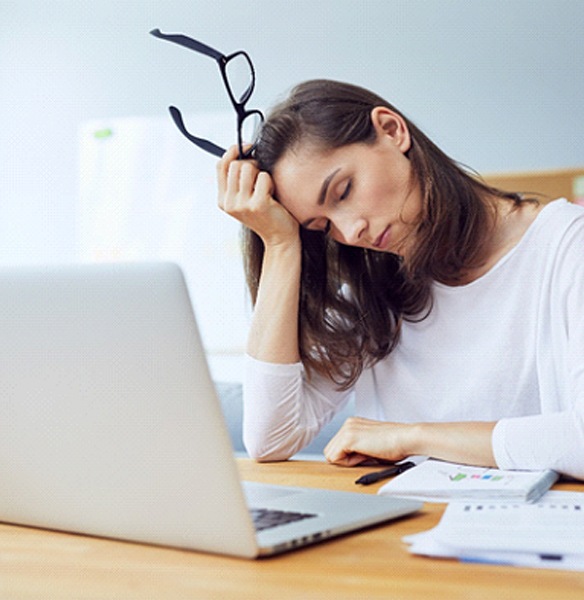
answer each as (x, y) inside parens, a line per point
(438, 481)
(547, 534)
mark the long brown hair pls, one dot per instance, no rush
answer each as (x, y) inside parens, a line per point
(353, 300)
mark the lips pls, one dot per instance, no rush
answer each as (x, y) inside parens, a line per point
(383, 240)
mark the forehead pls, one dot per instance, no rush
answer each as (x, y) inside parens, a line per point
(299, 174)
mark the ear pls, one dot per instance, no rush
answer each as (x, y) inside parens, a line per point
(392, 127)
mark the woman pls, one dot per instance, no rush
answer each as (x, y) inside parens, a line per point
(379, 267)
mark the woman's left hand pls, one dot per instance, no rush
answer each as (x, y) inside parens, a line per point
(359, 440)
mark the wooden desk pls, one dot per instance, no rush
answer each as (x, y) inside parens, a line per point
(366, 565)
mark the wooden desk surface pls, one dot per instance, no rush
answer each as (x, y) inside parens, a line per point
(365, 565)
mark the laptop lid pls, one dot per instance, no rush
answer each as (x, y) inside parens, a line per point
(109, 423)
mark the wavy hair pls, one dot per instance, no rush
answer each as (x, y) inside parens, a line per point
(353, 300)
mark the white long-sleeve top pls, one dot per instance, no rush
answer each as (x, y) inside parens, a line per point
(507, 347)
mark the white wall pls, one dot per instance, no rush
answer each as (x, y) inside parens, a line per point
(143, 197)
(497, 83)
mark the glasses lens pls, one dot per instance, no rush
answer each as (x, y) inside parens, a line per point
(240, 77)
(250, 128)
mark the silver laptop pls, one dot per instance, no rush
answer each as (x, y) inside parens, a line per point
(110, 424)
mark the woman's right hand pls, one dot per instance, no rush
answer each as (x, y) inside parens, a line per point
(245, 193)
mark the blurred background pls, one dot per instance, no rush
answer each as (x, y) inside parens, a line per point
(92, 168)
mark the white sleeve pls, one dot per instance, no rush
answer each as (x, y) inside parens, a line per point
(555, 438)
(283, 411)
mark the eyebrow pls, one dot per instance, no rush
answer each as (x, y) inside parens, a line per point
(322, 195)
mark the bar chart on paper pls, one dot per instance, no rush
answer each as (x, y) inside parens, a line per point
(438, 481)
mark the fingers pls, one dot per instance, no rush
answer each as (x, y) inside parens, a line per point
(248, 174)
(351, 459)
(361, 439)
(339, 450)
(236, 179)
(223, 169)
(245, 193)
(264, 186)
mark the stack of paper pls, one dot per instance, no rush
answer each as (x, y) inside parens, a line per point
(547, 534)
(438, 481)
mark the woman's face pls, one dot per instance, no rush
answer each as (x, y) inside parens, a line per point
(362, 194)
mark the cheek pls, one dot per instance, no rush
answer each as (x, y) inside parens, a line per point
(396, 191)
(380, 195)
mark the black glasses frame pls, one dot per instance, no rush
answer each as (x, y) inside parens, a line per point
(238, 103)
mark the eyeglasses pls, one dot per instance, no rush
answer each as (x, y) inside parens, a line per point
(239, 78)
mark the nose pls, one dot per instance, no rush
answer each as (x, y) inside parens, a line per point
(349, 230)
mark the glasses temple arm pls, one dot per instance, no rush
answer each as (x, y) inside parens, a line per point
(187, 42)
(200, 142)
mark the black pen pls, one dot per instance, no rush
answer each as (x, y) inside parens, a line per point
(390, 472)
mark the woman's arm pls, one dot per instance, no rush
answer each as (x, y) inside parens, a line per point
(245, 193)
(273, 335)
(283, 411)
(555, 438)
(362, 439)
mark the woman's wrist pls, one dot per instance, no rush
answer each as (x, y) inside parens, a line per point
(283, 245)
(414, 440)
(463, 442)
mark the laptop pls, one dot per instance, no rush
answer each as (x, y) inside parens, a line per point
(110, 424)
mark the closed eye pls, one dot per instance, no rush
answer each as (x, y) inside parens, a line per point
(347, 191)
(326, 229)
(343, 196)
